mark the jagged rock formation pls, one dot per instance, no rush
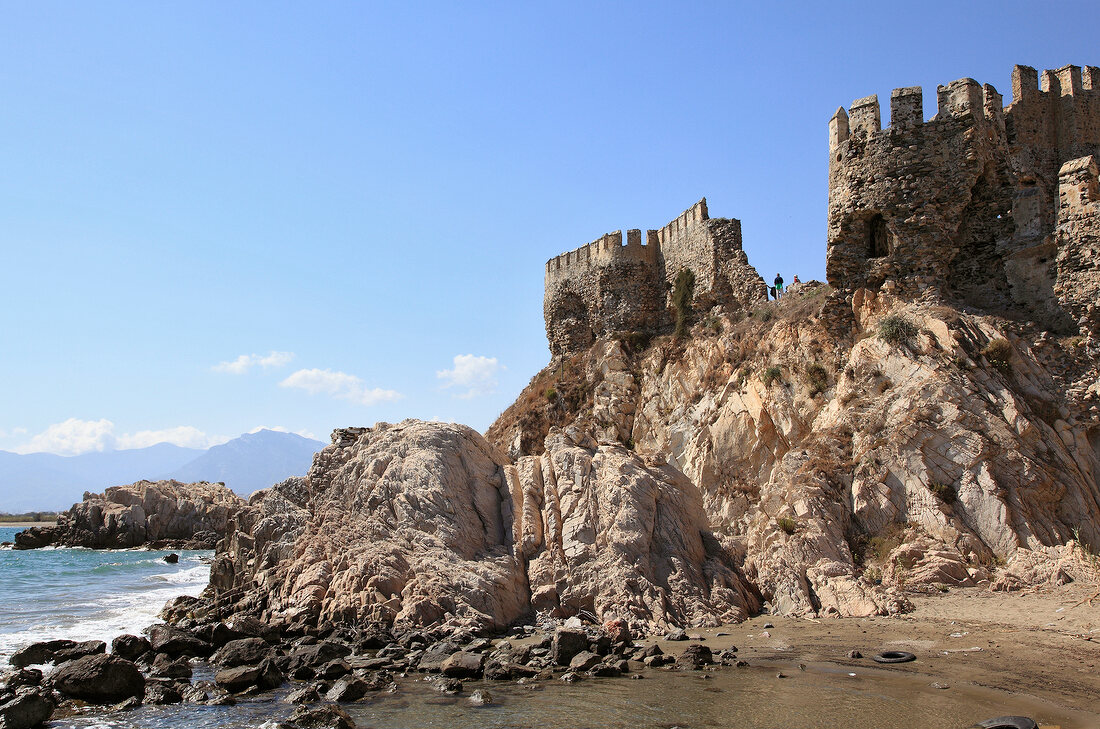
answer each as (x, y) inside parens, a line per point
(146, 513)
(423, 523)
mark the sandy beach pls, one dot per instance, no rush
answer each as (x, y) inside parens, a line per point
(1043, 644)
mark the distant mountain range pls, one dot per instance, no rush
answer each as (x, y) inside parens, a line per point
(46, 482)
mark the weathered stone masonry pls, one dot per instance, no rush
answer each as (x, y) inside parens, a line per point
(606, 287)
(965, 204)
(1078, 262)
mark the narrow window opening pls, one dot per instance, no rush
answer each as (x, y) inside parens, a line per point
(878, 237)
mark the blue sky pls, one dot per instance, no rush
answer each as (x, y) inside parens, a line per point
(220, 216)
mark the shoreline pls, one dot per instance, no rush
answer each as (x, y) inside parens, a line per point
(1037, 650)
(1043, 643)
(26, 524)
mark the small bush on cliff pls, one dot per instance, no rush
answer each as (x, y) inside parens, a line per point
(943, 492)
(770, 375)
(636, 341)
(682, 291)
(896, 330)
(817, 377)
(551, 394)
(787, 524)
(999, 354)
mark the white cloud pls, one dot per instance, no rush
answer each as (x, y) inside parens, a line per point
(340, 385)
(74, 436)
(184, 436)
(475, 375)
(246, 362)
(13, 432)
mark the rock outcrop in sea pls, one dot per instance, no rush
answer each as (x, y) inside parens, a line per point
(164, 514)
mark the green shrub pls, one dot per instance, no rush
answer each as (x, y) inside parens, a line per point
(896, 330)
(770, 375)
(713, 325)
(999, 354)
(763, 313)
(551, 394)
(943, 492)
(787, 524)
(817, 377)
(682, 290)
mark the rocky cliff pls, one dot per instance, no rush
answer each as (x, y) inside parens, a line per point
(817, 457)
(851, 451)
(146, 513)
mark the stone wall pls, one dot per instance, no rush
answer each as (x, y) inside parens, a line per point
(1078, 261)
(963, 205)
(605, 287)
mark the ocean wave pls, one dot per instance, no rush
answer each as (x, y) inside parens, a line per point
(81, 611)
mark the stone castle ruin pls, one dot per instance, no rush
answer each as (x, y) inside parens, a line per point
(606, 287)
(993, 206)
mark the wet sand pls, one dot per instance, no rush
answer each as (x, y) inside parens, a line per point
(1045, 643)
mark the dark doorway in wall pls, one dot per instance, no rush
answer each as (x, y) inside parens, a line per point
(878, 237)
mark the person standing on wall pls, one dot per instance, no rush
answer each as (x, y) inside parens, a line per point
(778, 286)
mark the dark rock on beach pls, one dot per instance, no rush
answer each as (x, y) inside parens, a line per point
(328, 716)
(130, 647)
(242, 652)
(694, 657)
(567, 643)
(176, 642)
(26, 709)
(98, 679)
(37, 653)
(266, 675)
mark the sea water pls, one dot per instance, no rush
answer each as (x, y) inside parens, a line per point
(83, 594)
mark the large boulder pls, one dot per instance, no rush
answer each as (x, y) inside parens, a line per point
(130, 647)
(611, 533)
(328, 716)
(25, 710)
(265, 675)
(167, 513)
(567, 643)
(241, 652)
(176, 642)
(98, 679)
(41, 652)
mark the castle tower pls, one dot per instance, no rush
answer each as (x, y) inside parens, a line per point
(961, 205)
(606, 287)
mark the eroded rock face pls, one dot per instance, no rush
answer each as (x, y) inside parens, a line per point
(842, 468)
(408, 523)
(604, 531)
(146, 513)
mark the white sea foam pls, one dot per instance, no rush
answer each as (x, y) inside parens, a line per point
(133, 603)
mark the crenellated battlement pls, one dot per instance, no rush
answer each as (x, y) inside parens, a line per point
(964, 202)
(606, 286)
(964, 99)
